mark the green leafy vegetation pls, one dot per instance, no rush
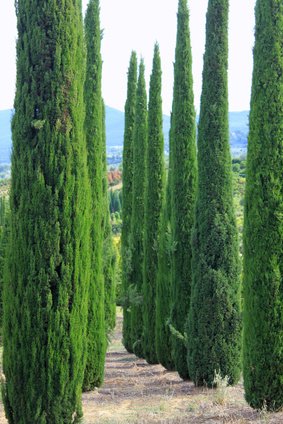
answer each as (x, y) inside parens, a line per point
(75, 241)
(154, 194)
(183, 185)
(138, 209)
(115, 201)
(45, 295)
(4, 238)
(130, 113)
(96, 336)
(263, 230)
(214, 324)
(164, 284)
(239, 182)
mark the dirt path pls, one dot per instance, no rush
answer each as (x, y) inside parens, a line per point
(137, 393)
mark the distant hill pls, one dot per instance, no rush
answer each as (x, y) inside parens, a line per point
(239, 128)
(5, 135)
(115, 131)
(114, 127)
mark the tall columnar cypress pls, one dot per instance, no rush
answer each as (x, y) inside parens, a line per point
(46, 291)
(214, 331)
(130, 109)
(164, 281)
(263, 231)
(94, 372)
(154, 194)
(183, 184)
(138, 213)
(109, 253)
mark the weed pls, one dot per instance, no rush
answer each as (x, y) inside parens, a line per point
(263, 414)
(220, 392)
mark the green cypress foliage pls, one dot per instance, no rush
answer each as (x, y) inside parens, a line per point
(114, 201)
(183, 185)
(4, 237)
(154, 194)
(130, 108)
(164, 280)
(138, 213)
(214, 333)
(46, 291)
(109, 253)
(109, 266)
(94, 372)
(263, 231)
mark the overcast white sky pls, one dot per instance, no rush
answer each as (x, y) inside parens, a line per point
(136, 24)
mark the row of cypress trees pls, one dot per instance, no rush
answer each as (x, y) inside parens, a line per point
(193, 299)
(55, 291)
(189, 316)
(143, 162)
(59, 289)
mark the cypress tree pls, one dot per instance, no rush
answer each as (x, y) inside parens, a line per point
(94, 371)
(183, 185)
(46, 290)
(164, 281)
(138, 213)
(114, 201)
(154, 194)
(214, 332)
(263, 231)
(130, 108)
(109, 254)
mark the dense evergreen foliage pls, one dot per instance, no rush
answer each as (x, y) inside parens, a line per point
(164, 281)
(138, 212)
(109, 253)
(4, 237)
(154, 194)
(109, 266)
(263, 231)
(130, 109)
(114, 198)
(48, 270)
(94, 372)
(214, 330)
(183, 184)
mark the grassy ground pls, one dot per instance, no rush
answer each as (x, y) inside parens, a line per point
(137, 393)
